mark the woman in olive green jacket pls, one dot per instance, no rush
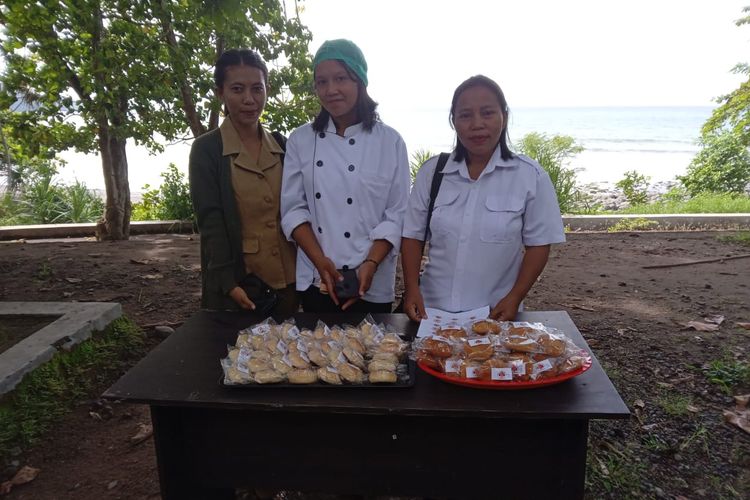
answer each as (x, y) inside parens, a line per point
(235, 181)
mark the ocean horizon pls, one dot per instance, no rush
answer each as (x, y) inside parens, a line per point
(656, 141)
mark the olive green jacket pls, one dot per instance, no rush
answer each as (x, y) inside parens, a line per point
(222, 264)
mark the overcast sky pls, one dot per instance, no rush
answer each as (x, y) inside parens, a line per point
(542, 53)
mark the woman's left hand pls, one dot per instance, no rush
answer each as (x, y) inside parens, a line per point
(365, 272)
(506, 309)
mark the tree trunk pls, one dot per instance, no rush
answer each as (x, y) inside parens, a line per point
(116, 222)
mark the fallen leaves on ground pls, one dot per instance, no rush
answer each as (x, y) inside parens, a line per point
(715, 319)
(739, 415)
(700, 327)
(25, 475)
(144, 432)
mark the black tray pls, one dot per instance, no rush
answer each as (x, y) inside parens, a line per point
(411, 372)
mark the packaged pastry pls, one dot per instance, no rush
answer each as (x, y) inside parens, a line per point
(485, 326)
(305, 376)
(329, 375)
(437, 346)
(350, 373)
(478, 348)
(496, 369)
(383, 376)
(269, 377)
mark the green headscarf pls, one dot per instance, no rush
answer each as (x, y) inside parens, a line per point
(343, 50)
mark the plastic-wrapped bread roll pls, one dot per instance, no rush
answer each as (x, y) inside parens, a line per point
(355, 345)
(551, 344)
(438, 347)
(257, 342)
(350, 373)
(379, 365)
(299, 360)
(329, 375)
(281, 365)
(269, 377)
(478, 349)
(354, 357)
(302, 376)
(335, 357)
(385, 356)
(235, 376)
(485, 326)
(317, 357)
(258, 365)
(382, 377)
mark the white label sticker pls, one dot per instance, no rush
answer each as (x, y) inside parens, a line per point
(378, 338)
(333, 344)
(285, 359)
(502, 374)
(452, 366)
(542, 366)
(301, 347)
(440, 338)
(472, 372)
(261, 329)
(243, 368)
(332, 369)
(518, 367)
(303, 355)
(281, 346)
(476, 342)
(293, 332)
(244, 355)
(342, 358)
(326, 331)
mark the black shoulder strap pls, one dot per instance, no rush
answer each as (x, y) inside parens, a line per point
(437, 179)
(281, 141)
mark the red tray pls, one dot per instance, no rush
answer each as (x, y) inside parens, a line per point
(508, 386)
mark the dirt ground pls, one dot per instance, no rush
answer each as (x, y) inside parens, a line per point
(676, 444)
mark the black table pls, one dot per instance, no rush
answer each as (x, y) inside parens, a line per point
(433, 440)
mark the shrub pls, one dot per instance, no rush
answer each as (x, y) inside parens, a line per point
(634, 186)
(170, 201)
(721, 166)
(553, 154)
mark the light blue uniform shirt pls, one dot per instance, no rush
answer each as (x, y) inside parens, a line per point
(480, 227)
(353, 190)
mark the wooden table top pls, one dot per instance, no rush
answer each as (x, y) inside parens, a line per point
(184, 370)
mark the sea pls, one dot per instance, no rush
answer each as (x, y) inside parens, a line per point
(657, 142)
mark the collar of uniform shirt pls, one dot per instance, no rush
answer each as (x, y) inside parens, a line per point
(496, 161)
(353, 130)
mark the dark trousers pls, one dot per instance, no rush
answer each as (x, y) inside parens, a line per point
(316, 302)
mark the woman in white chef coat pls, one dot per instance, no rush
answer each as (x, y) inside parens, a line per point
(345, 188)
(494, 218)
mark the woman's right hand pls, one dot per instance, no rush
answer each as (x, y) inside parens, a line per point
(414, 305)
(240, 297)
(329, 275)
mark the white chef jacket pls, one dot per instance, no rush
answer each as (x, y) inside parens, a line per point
(353, 190)
(479, 228)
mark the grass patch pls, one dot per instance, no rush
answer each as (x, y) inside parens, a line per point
(54, 388)
(639, 224)
(617, 473)
(705, 203)
(741, 238)
(728, 374)
(674, 404)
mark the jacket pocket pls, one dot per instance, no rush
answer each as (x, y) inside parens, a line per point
(250, 245)
(502, 219)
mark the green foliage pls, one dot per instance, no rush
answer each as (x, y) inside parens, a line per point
(418, 158)
(634, 186)
(554, 155)
(40, 199)
(170, 201)
(741, 238)
(704, 203)
(139, 71)
(728, 373)
(721, 166)
(734, 109)
(638, 224)
(674, 404)
(54, 388)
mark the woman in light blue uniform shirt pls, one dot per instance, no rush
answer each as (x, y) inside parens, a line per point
(494, 219)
